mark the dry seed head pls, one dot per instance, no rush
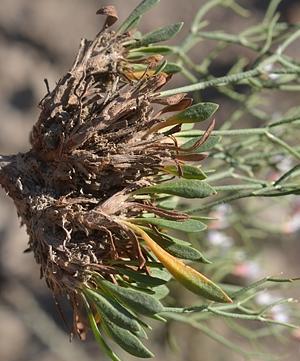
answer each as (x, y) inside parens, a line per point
(94, 144)
(90, 151)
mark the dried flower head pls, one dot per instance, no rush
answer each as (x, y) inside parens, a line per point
(103, 152)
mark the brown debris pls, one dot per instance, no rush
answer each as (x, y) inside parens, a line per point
(89, 151)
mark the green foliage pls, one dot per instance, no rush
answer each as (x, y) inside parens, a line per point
(112, 310)
(136, 300)
(183, 188)
(126, 339)
(190, 225)
(187, 172)
(211, 142)
(196, 113)
(239, 165)
(161, 34)
(140, 10)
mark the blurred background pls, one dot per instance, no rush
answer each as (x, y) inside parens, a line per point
(39, 39)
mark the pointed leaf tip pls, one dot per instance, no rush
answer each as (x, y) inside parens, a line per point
(113, 310)
(125, 339)
(186, 188)
(161, 34)
(140, 10)
(196, 113)
(188, 171)
(138, 301)
(184, 274)
(189, 226)
(98, 337)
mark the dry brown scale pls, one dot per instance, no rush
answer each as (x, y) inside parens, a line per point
(92, 146)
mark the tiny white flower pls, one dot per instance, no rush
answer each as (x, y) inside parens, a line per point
(219, 239)
(265, 298)
(280, 313)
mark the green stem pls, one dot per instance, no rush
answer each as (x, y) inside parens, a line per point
(234, 78)
(237, 187)
(230, 132)
(247, 193)
(284, 145)
(250, 317)
(287, 174)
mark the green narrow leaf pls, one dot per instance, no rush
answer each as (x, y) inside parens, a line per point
(141, 9)
(113, 311)
(161, 67)
(201, 285)
(142, 278)
(138, 301)
(187, 276)
(169, 202)
(145, 51)
(177, 247)
(134, 24)
(125, 339)
(183, 188)
(161, 34)
(160, 273)
(196, 113)
(190, 225)
(139, 287)
(180, 251)
(172, 68)
(210, 143)
(188, 171)
(141, 333)
(161, 292)
(170, 238)
(166, 67)
(98, 337)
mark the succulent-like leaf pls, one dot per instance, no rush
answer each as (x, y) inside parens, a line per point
(138, 301)
(161, 67)
(178, 248)
(161, 292)
(188, 171)
(194, 114)
(161, 34)
(98, 337)
(143, 51)
(172, 68)
(113, 311)
(134, 23)
(140, 10)
(187, 276)
(125, 339)
(182, 188)
(142, 278)
(190, 225)
(209, 144)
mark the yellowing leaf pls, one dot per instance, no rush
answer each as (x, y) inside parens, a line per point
(187, 276)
